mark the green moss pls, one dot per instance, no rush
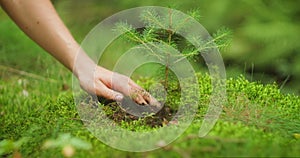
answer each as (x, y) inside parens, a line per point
(256, 121)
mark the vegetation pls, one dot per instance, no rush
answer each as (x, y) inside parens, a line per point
(265, 33)
(257, 121)
(164, 31)
(38, 117)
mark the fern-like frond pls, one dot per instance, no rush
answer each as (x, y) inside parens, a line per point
(129, 33)
(223, 38)
(151, 18)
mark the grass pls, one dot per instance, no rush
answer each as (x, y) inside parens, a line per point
(38, 117)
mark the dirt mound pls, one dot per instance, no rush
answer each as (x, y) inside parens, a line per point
(119, 112)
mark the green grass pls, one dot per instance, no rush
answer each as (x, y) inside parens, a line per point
(257, 120)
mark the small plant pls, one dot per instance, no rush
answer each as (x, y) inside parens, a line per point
(166, 37)
(163, 32)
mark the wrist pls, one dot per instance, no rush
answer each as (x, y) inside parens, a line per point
(82, 65)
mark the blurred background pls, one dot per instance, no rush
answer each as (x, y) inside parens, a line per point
(266, 34)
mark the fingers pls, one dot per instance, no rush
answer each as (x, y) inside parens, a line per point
(150, 99)
(138, 94)
(126, 86)
(140, 100)
(144, 97)
(111, 84)
(141, 96)
(102, 90)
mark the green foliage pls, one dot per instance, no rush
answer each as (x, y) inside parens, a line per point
(265, 33)
(223, 38)
(265, 44)
(164, 30)
(66, 140)
(255, 117)
(7, 146)
(258, 120)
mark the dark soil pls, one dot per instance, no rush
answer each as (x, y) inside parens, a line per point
(118, 113)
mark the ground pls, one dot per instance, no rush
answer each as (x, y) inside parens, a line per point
(39, 117)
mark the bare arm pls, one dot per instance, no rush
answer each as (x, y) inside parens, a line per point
(39, 20)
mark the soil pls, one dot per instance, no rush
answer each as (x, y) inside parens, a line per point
(162, 116)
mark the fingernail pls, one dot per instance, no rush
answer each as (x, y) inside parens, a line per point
(119, 97)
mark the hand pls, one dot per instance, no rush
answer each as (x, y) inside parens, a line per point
(43, 25)
(113, 86)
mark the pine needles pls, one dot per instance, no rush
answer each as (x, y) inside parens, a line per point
(172, 29)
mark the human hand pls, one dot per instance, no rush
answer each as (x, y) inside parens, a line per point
(55, 38)
(113, 86)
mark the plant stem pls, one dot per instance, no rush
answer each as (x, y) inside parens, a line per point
(167, 72)
(170, 32)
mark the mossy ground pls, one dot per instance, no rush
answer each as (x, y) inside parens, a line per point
(37, 109)
(256, 121)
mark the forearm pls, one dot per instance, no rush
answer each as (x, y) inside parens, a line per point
(39, 20)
